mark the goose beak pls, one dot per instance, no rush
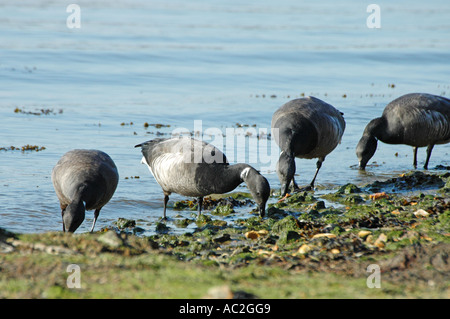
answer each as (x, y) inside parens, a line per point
(262, 210)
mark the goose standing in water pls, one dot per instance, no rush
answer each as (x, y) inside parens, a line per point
(415, 119)
(194, 168)
(305, 128)
(83, 180)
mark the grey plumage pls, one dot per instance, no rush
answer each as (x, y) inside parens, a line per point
(415, 119)
(305, 128)
(83, 180)
(194, 168)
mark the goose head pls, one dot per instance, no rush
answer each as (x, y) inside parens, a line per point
(259, 188)
(365, 149)
(73, 216)
(285, 171)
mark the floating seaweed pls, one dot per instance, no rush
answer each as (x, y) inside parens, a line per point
(38, 112)
(156, 125)
(24, 148)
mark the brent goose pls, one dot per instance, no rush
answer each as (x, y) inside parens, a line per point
(194, 168)
(415, 119)
(83, 180)
(305, 128)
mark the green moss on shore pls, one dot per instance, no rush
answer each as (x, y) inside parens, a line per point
(308, 246)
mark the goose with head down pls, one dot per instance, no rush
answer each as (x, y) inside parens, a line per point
(194, 168)
(415, 119)
(83, 180)
(305, 128)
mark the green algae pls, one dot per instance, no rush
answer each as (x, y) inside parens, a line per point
(343, 232)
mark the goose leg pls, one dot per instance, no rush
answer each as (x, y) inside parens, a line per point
(319, 165)
(415, 156)
(96, 213)
(199, 205)
(166, 199)
(429, 149)
(62, 215)
(294, 184)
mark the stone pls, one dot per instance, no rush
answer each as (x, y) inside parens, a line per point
(111, 239)
(251, 234)
(381, 241)
(304, 249)
(364, 233)
(327, 235)
(421, 213)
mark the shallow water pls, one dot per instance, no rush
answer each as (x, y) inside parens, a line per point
(176, 62)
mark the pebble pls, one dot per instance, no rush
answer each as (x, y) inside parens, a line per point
(49, 249)
(304, 249)
(421, 213)
(110, 238)
(263, 232)
(364, 233)
(220, 292)
(327, 235)
(5, 248)
(378, 196)
(381, 241)
(251, 234)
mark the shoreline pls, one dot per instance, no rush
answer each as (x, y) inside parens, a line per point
(308, 246)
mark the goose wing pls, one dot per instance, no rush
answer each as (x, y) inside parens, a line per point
(174, 162)
(419, 119)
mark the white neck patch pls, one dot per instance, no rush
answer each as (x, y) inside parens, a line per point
(144, 161)
(245, 172)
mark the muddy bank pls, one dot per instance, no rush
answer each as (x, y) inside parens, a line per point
(405, 233)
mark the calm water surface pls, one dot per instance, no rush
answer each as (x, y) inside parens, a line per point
(221, 62)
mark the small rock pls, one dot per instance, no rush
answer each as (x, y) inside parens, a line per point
(225, 292)
(288, 236)
(221, 238)
(364, 233)
(335, 251)
(122, 223)
(221, 292)
(251, 234)
(5, 248)
(111, 239)
(58, 250)
(304, 249)
(378, 196)
(348, 189)
(263, 232)
(162, 228)
(381, 241)
(421, 213)
(318, 205)
(285, 224)
(353, 199)
(327, 235)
